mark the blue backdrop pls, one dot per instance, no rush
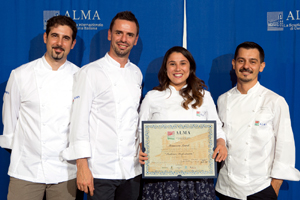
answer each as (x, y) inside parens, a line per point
(214, 29)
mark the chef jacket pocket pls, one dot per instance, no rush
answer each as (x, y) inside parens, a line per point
(157, 113)
(264, 119)
(200, 113)
(263, 123)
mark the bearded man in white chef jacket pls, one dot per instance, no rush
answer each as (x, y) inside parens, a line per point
(36, 113)
(103, 137)
(260, 141)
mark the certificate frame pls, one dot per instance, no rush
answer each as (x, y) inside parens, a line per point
(179, 149)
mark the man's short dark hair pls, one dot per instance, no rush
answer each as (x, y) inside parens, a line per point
(62, 20)
(250, 45)
(125, 15)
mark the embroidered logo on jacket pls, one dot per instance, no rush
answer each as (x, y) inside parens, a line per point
(257, 123)
(201, 114)
(77, 97)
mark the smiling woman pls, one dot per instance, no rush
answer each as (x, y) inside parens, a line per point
(180, 96)
(178, 70)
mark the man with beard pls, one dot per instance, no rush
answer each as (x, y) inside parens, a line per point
(36, 112)
(103, 135)
(260, 141)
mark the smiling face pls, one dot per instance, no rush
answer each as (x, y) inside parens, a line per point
(247, 65)
(178, 70)
(123, 37)
(58, 43)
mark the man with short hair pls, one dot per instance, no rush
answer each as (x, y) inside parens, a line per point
(103, 138)
(260, 142)
(36, 112)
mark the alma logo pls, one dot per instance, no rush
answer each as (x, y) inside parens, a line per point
(74, 14)
(171, 135)
(277, 21)
(48, 14)
(82, 15)
(292, 16)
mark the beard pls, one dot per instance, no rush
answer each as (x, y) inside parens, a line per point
(57, 56)
(121, 53)
(244, 79)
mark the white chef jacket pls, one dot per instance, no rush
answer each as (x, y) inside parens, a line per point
(260, 141)
(36, 114)
(167, 105)
(104, 118)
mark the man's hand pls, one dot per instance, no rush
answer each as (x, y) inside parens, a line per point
(85, 179)
(221, 150)
(276, 184)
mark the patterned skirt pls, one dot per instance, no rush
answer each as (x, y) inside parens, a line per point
(202, 189)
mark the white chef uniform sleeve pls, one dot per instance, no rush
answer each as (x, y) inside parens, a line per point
(284, 160)
(79, 136)
(10, 111)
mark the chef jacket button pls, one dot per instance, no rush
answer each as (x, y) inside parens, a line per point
(253, 110)
(44, 124)
(121, 139)
(249, 125)
(247, 143)
(245, 159)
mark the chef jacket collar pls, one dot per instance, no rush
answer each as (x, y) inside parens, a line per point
(114, 62)
(252, 90)
(173, 88)
(47, 66)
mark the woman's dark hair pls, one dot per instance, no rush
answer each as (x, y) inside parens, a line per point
(194, 89)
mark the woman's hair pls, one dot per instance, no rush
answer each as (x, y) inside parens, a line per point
(194, 89)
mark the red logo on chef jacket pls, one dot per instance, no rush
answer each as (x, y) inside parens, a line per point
(198, 113)
(261, 124)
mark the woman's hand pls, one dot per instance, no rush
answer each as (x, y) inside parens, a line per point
(221, 150)
(142, 157)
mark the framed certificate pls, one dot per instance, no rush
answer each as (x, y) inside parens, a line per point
(179, 149)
